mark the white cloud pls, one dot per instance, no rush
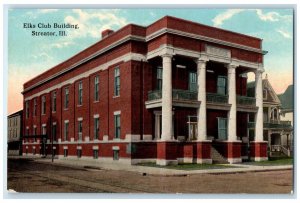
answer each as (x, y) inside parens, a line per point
(267, 16)
(91, 23)
(61, 44)
(220, 18)
(285, 34)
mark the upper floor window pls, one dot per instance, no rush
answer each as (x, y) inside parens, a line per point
(193, 82)
(222, 128)
(159, 78)
(27, 109)
(117, 82)
(265, 94)
(43, 104)
(80, 93)
(66, 104)
(54, 102)
(222, 85)
(34, 106)
(96, 90)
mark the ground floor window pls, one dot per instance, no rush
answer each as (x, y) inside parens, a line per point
(79, 153)
(26, 151)
(95, 153)
(65, 152)
(33, 151)
(116, 154)
(222, 128)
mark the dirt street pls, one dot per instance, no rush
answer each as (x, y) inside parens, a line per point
(28, 176)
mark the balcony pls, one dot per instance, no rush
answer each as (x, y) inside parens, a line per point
(273, 125)
(216, 98)
(181, 98)
(176, 95)
(245, 101)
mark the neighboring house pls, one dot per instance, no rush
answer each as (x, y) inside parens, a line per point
(14, 133)
(287, 113)
(174, 91)
(276, 130)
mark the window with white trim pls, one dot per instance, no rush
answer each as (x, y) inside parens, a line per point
(66, 104)
(80, 130)
(222, 85)
(43, 105)
(95, 153)
(96, 88)
(96, 128)
(79, 153)
(80, 93)
(222, 128)
(117, 122)
(34, 132)
(27, 109)
(34, 106)
(65, 152)
(66, 131)
(193, 87)
(117, 82)
(159, 78)
(54, 102)
(115, 154)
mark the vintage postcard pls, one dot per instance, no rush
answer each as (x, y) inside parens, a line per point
(165, 100)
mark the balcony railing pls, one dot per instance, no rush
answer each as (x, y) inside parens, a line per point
(216, 98)
(184, 95)
(248, 101)
(176, 94)
(278, 125)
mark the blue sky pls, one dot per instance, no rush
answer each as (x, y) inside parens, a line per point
(29, 56)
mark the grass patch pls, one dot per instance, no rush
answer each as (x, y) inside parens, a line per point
(273, 161)
(190, 166)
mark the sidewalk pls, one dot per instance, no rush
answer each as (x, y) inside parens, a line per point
(146, 170)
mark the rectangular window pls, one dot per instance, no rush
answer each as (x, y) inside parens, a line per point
(33, 151)
(96, 128)
(117, 126)
(79, 153)
(27, 109)
(95, 153)
(159, 78)
(80, 93)
(96, 88)
(221, 85)
(265, 94)
(34, 106)
(65, 152)
(117, 82)
(66, 131)
(54, 132)
(116, 154)
(43, 104)
(34, 133)
(66, 104)
(193, 87)
(54, 102)
(222, 128)
(79, 130)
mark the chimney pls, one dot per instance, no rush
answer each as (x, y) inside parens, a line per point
(106, 33)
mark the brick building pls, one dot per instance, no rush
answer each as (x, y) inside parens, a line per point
(136, 95)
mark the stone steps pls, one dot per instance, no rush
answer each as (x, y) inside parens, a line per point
(217, 158)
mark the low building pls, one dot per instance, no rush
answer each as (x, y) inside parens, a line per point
(277, 131)
(14, 133)
(171, 92)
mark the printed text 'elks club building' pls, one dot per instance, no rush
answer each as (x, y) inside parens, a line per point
(172, 92)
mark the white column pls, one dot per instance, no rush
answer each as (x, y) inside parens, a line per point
(231, 128)
(167, 98)
(259, 104)
(201, 79)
